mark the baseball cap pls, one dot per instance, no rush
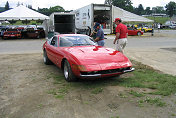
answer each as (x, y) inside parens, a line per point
(117, 19)
(96, 24)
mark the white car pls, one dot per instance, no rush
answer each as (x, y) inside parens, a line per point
(173, 26)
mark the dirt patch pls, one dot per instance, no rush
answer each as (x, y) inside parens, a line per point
(28, 90)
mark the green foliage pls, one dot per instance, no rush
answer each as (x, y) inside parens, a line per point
(97, 90)
(142, 77)
(158, 10)
(161, 20)
(148, 11)
(157, 101)
(140, 9)
(12, 21)
(146, 77)
(171, 8)
(136, 94)
(124, 4)
(7, 7)
(49, 11)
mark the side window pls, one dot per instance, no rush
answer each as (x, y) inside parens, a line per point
(54, 41)
(65, 43)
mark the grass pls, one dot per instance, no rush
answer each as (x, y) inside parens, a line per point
(146, 77)
(159, 19)
(157, 101)
(142, 77)
(136, 94)
(97, 90)
(20, 23)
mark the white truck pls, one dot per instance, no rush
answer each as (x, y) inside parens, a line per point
(63, 23)
(88, 15)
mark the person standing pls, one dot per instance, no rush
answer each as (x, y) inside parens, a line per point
(159, 26)
(121, 35)
(99, 35)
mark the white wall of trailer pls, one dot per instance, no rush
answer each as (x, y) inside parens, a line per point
(84, 17)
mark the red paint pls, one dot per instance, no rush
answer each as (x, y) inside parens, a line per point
(87, 58)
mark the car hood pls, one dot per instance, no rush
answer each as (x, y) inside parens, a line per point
(99, 57)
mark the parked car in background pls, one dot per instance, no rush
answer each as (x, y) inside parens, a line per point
(20, 28)
(172, 26)
(79, 57)
(145, 29)
(32, 33)
(11, 33)
(134, 32)
(41, 31)
(2, 30)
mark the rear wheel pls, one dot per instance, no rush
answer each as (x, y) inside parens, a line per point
(68, 74)
(46, 59)
(139, 33)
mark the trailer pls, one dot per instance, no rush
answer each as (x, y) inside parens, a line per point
(62, 23)
(87, 16)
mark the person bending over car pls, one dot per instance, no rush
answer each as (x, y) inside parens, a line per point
(99, 35)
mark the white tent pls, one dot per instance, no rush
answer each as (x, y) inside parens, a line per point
(22, 13)
(128, 16)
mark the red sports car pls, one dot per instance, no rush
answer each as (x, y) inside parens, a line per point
(79, 57)
(12, 33)
(134, 32)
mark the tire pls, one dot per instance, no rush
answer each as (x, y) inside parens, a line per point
(68, 74)
(139, 33)
(46, 59)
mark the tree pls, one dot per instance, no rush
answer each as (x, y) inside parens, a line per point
(148, 11)
(7, 6)
(30, 6)
(140, 10)
(109, 2)
(124, 4)
(56, 9)
(171, 8)
(44, 11)
(158, 10)
(49, 11)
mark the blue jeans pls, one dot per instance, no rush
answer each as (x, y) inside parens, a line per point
(101, 43)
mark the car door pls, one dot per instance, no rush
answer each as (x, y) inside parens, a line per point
(52, 49)
(130, 31)
(60, 53)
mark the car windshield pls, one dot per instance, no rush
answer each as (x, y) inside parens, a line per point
(69, 41)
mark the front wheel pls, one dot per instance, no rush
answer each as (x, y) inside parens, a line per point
(68, 74)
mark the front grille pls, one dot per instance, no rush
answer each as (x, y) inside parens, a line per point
(119, 70)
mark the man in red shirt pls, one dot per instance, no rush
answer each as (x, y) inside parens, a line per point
(121, 35)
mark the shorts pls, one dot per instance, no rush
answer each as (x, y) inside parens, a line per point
(121, 43)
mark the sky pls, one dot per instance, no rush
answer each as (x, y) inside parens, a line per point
(75, 4)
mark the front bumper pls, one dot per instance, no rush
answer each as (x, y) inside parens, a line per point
(98, 75)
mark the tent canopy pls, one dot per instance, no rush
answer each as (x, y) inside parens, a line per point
(128, 16)
(22, 13)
